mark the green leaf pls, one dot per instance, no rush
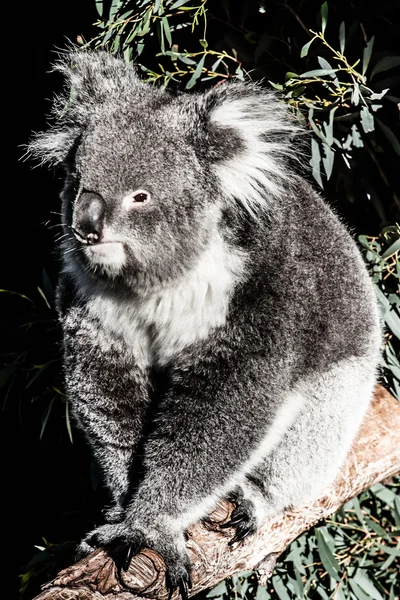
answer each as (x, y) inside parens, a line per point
(218, 590)
(355, 95)
(204, 44)
(389, 550)
(276, 86)
(356, 137)
(324, 16)
(46, 417)
(377, 528)
(186, 60)
(328, 560)
(68, 421)
(324, 63)
(342, 36)
(167, 30)
(367, 54)
(386, 63)
(390, 317)
(179, 3)
(99, 7)
(328, 159)
(363, 581)
(359, 593)
(395, 247)
(318, 73)
(196, 73)
(280, 588)
(305, 48)
(114, 8)
(315, 162)
(367, 120)
(356, 505)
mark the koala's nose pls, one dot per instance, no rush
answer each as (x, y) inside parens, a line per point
(88, 218)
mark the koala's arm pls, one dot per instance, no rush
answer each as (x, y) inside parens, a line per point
(108, 396)
(207, 430)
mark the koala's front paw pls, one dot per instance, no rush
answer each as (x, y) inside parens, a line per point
(83, 550)
(243, 519)
(126, 539)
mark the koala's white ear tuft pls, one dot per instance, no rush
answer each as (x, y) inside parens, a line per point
(249, 135)
(53, 147)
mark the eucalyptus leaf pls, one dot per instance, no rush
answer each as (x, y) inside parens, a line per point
(167, 30)
(386, 63)
(179, 3)
(328, 560)
(99, 7)
(367, 54)
(305, 48)
(196, 73)
(367, 120)
(218, 590)
(395, 247)
(342, 36)
(280, 588)
(315, 162)
(324, 16)
(318, 73)
(328, 160)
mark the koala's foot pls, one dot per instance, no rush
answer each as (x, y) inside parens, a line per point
(243, 519)
(124, 540)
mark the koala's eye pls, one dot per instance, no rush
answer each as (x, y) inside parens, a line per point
(141, 196)
(135, 199)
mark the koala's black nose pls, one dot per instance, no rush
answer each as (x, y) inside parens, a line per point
(88, 218)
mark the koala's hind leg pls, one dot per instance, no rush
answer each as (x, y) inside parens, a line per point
(309, 455)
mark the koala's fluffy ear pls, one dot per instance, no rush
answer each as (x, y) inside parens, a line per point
(247, 136)
(91, 80)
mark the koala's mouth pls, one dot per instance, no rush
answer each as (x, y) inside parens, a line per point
(110, 255)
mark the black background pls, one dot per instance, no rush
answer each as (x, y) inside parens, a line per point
(34, 473)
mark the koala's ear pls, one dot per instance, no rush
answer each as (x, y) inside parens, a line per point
(246, 136)
(90, 80)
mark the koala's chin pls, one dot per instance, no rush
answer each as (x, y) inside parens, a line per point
(107, 258)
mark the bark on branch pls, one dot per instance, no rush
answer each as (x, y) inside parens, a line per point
(374, 457)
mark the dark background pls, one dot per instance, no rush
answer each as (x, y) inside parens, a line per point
(36, 503)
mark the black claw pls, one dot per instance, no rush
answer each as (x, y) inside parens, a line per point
(241, 535)
(131, 551)
(183, 588)
(189, 582)
(184, 584)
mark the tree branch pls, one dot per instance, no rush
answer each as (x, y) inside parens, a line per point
(374, 457)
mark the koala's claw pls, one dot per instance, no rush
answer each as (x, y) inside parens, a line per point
(183, 583)
(243, 520)
(132, 549)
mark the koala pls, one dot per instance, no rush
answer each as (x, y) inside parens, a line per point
(221, 333)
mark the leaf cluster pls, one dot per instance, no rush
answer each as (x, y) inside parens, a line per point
(355, 555)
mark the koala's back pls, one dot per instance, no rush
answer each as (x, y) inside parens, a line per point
(309, 293)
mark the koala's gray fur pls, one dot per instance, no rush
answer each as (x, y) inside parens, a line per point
(221, 331)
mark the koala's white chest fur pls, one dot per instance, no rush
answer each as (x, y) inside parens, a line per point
(158, 325)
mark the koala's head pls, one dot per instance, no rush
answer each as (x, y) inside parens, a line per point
(148, 173)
